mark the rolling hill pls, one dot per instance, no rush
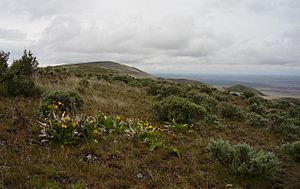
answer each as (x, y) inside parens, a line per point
(243, 88)
(107, 67)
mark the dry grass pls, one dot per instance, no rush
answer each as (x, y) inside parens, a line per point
(110, 98)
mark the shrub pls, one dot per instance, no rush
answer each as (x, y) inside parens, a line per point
(231, 111)
(295, 112)
(260, 164)
(281, 122)
(3, 61)
(15, 80)
(214, 119)
(221, 97)
(221, 151)
(202, 99)
(255, 99)
(254, 119)
(249, 94)
(242, 160)
(25, 65)
(293, 150)
(170, 89)
(259, 109)
(64, 101)
(179, 109)
(17, 87)
(282, 104)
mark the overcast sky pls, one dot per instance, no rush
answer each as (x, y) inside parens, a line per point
(194, 36)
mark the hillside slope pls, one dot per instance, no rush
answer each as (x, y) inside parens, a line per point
(107, 67)
(243, 88)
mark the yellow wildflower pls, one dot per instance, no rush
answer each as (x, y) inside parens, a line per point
(95, 132)
(59, 103)
(65, 119)
(55, 107)
(118, 117)
(74, 123)
(64, 126)
(150, 127)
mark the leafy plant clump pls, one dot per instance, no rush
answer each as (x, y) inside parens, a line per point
(16, 79)
(254, 120)
(293, 150)
(60, 101)
(178, 108)
(231, 111)
(242, 160)
(66, 129)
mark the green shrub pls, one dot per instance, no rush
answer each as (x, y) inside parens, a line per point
(282, 104)
(256, 99)
(214, 119)
(295, 112)
(179, 109)
(204, 88)
(64, 101)
(17, 87)
(15, 80)
(170, 89)
(221, 151)
(221, 97)
(231, 111)
(202, 99)
(25, 65)
(281, 122)
(292, 150)
(254, 119)
(259, 109)
(3, 62)
(242, 160)
(249, 94)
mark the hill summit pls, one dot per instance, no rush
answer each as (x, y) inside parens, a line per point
(108, 67)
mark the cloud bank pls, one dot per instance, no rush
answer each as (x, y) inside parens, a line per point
(208, 36)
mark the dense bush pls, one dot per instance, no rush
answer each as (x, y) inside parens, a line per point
(292, 150)
(281, 122)
(256, 99)
(249, 94)
(25, 65)
(231, 111)
(170, 89)
(221, 151)
(295, 112)
(15, 80)
(282, 104)
(3, 62)
(221, 97)
(64, 101)
(202, 99)
(254, 119)
(179, 109)
(23, 87)
(242, 160)
(257, 108)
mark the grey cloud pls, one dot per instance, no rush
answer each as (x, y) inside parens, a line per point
(162, 35)
(9, 34)
(38, 8)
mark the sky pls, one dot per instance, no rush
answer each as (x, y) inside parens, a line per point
(158, 36)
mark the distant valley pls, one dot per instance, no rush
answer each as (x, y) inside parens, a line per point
(274, 86)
